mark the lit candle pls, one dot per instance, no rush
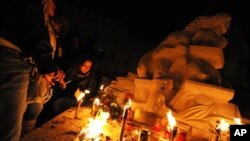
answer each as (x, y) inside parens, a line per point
(77, 109)
(124, 118)
(222, 128)
(173, 133)
(95, 106)
(101, 90)
(101, 87)
(237, 121)
(171, 125)
(79, 96)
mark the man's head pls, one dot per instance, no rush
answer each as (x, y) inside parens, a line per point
(86, 66)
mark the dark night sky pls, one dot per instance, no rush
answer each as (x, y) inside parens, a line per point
(158, 19)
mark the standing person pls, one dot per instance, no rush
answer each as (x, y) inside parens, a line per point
(60, 26)
(22, 35)
(39, 91)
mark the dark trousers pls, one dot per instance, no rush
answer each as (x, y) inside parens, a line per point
(14, 80)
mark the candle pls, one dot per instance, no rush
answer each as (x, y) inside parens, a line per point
(95, 106)
(171, 125)
(173, 133)
(101, 87)
(124, 118)
(77, 109)
(222, 129)
(79, 96)
(143, 135)
(101, 90)
(181, 136)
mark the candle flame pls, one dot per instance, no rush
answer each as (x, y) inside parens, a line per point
(82, 94)
(129, 103)
(79, 94)
(101, 87)
(94, 128)
(223, 125)
(86, 91)
(96, 101)
(171, 120)
(237, 121)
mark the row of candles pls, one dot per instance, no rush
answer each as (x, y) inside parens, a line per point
(79, 97)
(171, 129)
(94, 128)
(222, 127)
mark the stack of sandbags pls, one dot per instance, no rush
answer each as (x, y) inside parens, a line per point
(150, 95)
(123, 86)
(198, 106)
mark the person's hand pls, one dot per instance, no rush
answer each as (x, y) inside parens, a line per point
(53, 77)
(59, 77)
(49, 78)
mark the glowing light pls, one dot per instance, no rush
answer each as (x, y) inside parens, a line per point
(237, 121)
(86, 91)
(80, 96)
(101, 87)
(171, 120)
(94, 128)
(223, 125)
(96, 101)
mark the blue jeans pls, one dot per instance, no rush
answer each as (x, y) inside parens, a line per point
(14, 80)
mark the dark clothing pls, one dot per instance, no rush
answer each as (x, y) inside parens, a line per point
(14, 80)
(78, 80)
(22, 23)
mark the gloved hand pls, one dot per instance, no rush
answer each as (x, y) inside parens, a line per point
(53, 77)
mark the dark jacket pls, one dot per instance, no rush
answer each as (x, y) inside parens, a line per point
(79, 80)
(22, 23)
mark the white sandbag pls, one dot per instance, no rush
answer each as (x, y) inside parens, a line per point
(212, 55)
(189, 91)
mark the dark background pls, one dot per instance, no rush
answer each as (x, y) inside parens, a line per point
(156, 19)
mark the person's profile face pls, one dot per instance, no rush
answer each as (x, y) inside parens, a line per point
(86, 66)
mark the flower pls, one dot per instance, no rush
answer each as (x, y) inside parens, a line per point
(109, 104)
